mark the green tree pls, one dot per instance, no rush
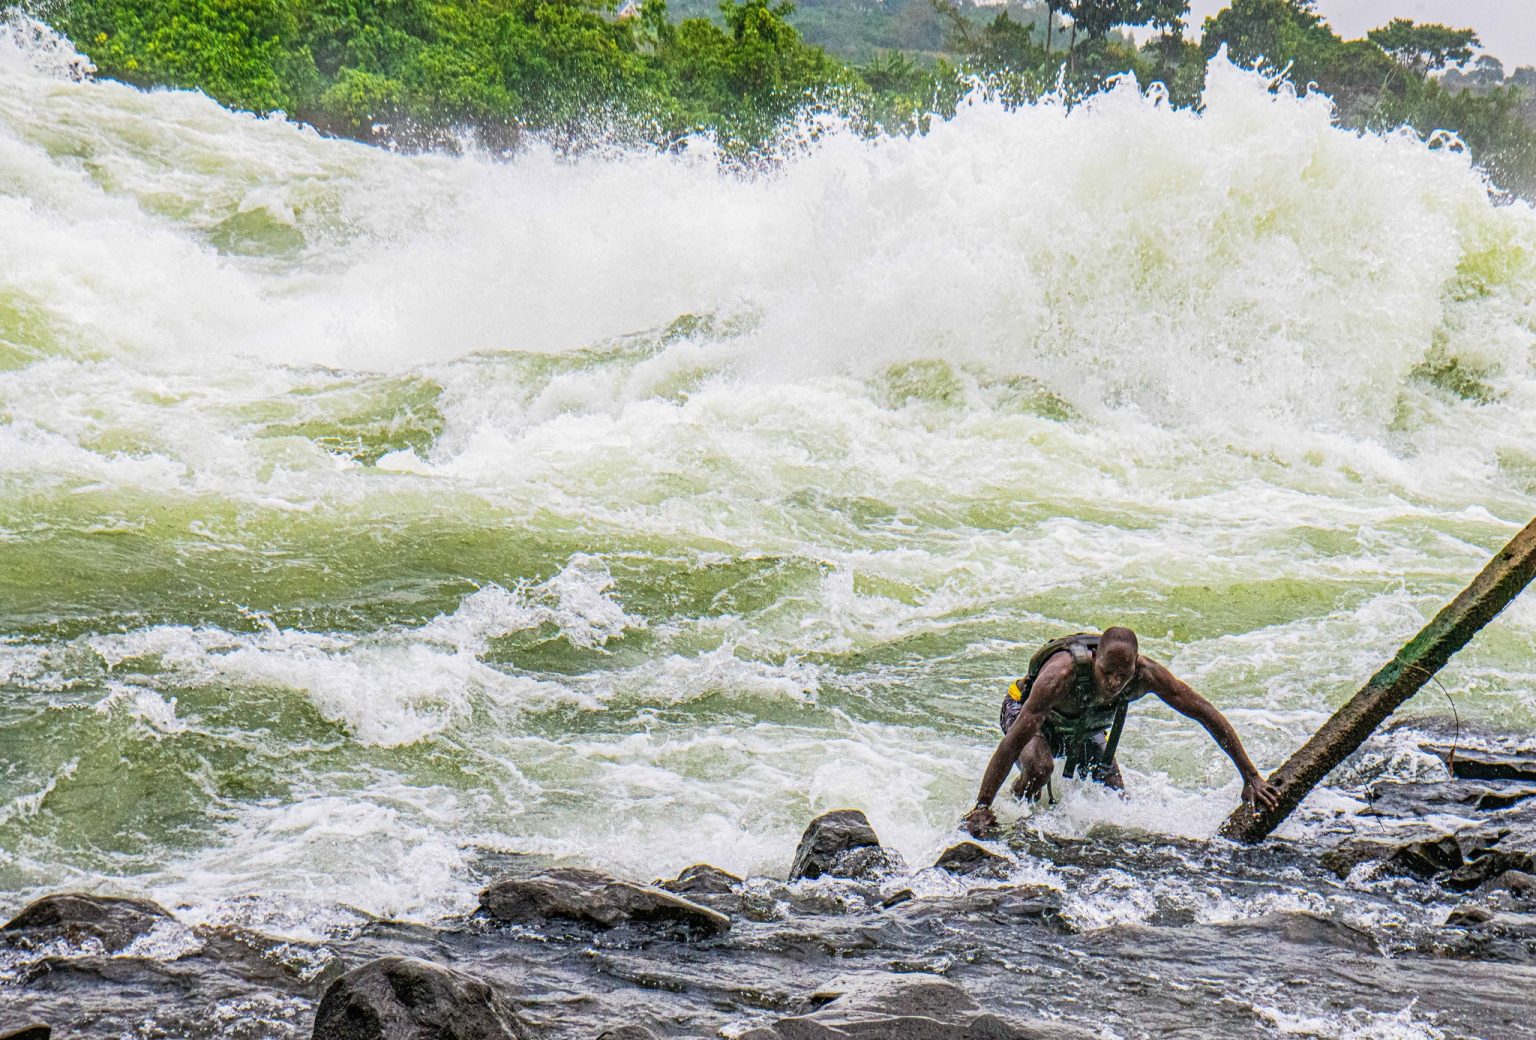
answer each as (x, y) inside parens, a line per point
(1274, 33)
(1425, 48)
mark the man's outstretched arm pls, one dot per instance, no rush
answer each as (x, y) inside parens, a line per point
(1178, 695)
(1045, 691)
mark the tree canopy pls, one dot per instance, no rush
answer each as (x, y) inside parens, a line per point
(1425, 47)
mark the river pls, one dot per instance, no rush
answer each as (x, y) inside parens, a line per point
(366, 518)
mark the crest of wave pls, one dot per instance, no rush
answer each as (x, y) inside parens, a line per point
(1246, 262)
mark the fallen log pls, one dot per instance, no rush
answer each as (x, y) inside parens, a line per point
(1501, 581)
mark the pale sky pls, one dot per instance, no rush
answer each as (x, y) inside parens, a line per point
(1506, 27)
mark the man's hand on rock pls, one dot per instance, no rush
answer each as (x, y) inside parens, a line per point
(1260, 793)
(981, 822)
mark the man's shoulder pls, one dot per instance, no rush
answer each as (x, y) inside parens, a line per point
(1057, 667)
(1150, 670)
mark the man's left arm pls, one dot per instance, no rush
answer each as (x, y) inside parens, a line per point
(1178, 695)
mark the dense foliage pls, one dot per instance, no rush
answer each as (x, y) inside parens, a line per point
(417, 71)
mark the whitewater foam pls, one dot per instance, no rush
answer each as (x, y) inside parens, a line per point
(398, 510)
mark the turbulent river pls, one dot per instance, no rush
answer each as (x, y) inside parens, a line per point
(370, 519)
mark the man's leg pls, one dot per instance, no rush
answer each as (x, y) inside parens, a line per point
(1035, 768)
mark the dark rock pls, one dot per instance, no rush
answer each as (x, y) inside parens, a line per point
(1303, 928)
(401, 998)
(1436, 856)
(112, 921)
(701, 879)
(1410, 800)
(596, 900)
(1350, 854)
(30, 1031)
(1465, 916)
(1476, 764)
(869, 863)
(905, 1007)
(897, 898)
(1425, 859)
(827, 842)
(268, 961)
(1519, 883)
(1486, 867)
(968, 858)
(627, 1033)
(991, 906)
(1482, 919)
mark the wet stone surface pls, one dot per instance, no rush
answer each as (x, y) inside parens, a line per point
(1120, 933)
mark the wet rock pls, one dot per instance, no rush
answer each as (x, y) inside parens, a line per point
(991, 906)
(627, 1033)
(1518, 883)
(401, 998)
(1303, 928)
(897, 898)
(1346, 856)
(77, 917)
(871, 863)
(1432, 857)
(1408, 800)
(30, 1031)
(268, 961)
(1484, 919)
(841, 843)
(597, 900)
(1477, 764)
(968, 858)
(1426, 858)
(905, 1007)
(701, 879)
(1486, 867)
(1465, 916)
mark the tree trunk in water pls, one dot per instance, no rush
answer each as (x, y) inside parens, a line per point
(1415, 664)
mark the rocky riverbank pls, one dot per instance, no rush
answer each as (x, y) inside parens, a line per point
(1415, 917)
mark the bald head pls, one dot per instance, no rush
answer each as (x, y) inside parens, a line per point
(1115, 662)
(1117, 641)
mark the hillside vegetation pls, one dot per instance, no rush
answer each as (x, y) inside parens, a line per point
(424, 72)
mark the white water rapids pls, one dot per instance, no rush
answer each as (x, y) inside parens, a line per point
(366, 515)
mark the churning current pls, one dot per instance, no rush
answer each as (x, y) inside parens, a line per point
(368, 517)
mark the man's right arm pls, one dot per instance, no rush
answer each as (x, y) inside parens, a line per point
(1043, 694)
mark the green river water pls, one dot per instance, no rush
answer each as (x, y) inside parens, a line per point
(368, 518)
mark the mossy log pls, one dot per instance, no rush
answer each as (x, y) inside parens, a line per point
(1501, 581)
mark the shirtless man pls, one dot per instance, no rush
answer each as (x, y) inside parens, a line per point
(1072, 705)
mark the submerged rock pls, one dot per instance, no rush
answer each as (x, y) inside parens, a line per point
(597, 900)
(402, 998)
(968, 858)
(701, 879)
(905, 1007)
(841, 843)
(113, 921)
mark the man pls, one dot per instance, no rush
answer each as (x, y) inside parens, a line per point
(1072, 704)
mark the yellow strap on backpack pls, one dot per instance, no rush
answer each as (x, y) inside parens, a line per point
(1014, 691)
